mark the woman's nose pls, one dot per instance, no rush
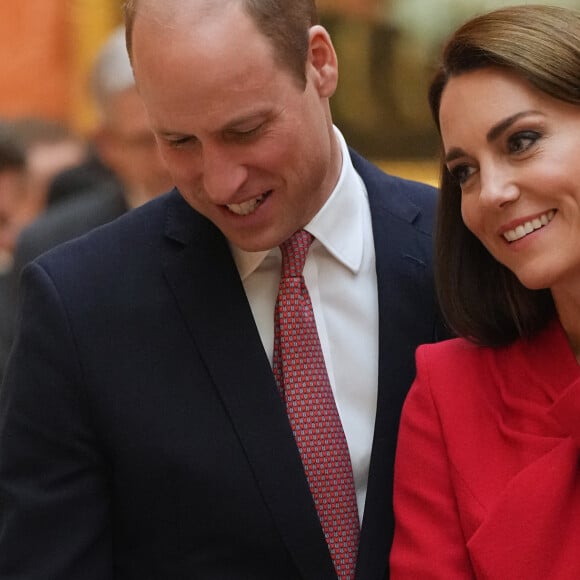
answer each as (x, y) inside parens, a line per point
(498, 187)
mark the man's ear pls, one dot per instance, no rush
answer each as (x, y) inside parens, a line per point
(322, 63)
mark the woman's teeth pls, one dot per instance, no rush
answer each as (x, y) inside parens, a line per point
(524, 229)
(247, 207)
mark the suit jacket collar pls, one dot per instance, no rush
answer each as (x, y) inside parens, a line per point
(220, 321)
(207, 287)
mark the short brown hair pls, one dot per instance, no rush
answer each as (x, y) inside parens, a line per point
(284, 22)
(480, 298)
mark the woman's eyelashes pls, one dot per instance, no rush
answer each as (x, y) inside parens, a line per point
(517, 144)
(461, 172)
(522, 141)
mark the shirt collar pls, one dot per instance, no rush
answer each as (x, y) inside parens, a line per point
(338, 225)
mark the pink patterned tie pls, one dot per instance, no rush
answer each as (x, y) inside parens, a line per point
(301, 375)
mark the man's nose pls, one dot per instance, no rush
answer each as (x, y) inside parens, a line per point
(224, 174)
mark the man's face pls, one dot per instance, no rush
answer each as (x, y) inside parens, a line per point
(127, 145)
(245, 143)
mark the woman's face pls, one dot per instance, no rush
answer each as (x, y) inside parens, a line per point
(516, 153)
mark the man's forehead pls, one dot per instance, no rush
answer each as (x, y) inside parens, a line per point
(177, 28)
(167, 11)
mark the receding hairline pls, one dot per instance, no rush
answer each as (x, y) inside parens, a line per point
(284, 24)
(131, 8)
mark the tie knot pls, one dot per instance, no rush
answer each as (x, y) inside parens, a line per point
(294, 251)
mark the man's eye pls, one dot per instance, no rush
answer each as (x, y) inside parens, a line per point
(178, 142)
(246, 133)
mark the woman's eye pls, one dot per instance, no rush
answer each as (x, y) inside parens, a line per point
(461, 172)
(520, 142)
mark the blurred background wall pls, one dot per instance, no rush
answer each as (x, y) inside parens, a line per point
(47, 47)
(386, 52)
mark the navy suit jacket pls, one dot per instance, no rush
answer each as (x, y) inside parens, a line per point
(141, 432)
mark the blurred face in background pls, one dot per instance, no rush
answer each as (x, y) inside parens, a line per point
(23, 192)
(127, 145)
(44, 161)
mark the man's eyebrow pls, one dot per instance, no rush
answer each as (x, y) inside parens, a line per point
(229, 125)
(244, 118)
(169, 134)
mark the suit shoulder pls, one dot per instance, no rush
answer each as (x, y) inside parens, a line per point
(125, 238)
(411, 201)
(456, 369)
(73, 217)
(67, 220)
(449, 353)
(374, 176)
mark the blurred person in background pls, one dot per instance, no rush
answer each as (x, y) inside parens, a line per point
(32, 151)
(12, 190)
(46, 148)
(125, 170)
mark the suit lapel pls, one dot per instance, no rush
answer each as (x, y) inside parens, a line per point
(207, 287)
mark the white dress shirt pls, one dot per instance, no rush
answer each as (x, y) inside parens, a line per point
(341, 279)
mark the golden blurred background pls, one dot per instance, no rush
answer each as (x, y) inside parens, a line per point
(48, 47)
(385, 50)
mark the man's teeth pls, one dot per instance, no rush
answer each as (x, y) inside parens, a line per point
(247, 207)
(524, 229)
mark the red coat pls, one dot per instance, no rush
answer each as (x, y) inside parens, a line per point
(487, 474)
